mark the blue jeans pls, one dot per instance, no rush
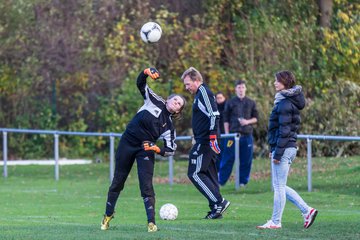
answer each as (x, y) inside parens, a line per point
(281, 191)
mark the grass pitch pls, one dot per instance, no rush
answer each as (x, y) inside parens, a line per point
(34, 206)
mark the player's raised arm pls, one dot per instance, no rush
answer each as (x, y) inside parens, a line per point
(141, 80)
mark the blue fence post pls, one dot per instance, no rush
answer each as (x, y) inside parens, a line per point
(56, 150)
(5, 153)
(309, 164)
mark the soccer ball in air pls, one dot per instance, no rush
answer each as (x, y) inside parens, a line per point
(150, 32)
(168, 211)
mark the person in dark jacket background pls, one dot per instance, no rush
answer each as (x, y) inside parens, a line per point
(240, 115)
(284, 124)
(152, 121)
(220, 103)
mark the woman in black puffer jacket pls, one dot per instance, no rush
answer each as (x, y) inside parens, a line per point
(284, 120)
(284, 123)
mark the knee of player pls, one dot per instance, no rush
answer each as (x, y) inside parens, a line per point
(116, 188)
(117, 184)
(191, 176)
(147, 190)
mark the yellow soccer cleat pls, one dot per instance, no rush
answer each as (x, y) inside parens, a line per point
(105, 222)
(152, 227)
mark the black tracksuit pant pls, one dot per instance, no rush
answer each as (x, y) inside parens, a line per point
(203, 173)
(126, 154)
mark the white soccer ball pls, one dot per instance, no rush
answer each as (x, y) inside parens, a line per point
(168, 211)
(150, 32)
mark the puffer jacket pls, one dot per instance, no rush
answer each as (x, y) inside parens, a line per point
(284, 121)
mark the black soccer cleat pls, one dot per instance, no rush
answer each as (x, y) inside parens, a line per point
(218, 210)
(211, 215)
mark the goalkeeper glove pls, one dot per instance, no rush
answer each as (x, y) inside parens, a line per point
(150, 146)
(214, 144)
(152, 72)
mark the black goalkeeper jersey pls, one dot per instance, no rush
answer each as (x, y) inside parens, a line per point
(152, 121)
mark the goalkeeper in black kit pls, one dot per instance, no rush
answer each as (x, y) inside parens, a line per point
(152, 121)
(202, 158)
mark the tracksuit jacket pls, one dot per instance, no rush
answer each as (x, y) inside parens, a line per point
(205, 115)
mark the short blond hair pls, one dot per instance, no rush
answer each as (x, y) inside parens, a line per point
(193, 73)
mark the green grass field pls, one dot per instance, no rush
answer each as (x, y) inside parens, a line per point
(34, 206)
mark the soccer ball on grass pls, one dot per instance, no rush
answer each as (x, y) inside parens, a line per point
(168, 211)
(150, 32)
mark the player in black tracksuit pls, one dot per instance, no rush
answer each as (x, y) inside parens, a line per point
(152, 121)
(202, 158)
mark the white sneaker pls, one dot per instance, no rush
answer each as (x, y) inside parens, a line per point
(269, 225)
(309, 217)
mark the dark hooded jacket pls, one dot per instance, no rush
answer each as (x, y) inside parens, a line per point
(284, 121)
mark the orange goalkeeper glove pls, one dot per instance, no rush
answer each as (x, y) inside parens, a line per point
(214, 144)
(150, 146)
(152, 72)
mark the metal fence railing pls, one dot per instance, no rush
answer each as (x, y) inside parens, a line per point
(56, 134)
(309, 139)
